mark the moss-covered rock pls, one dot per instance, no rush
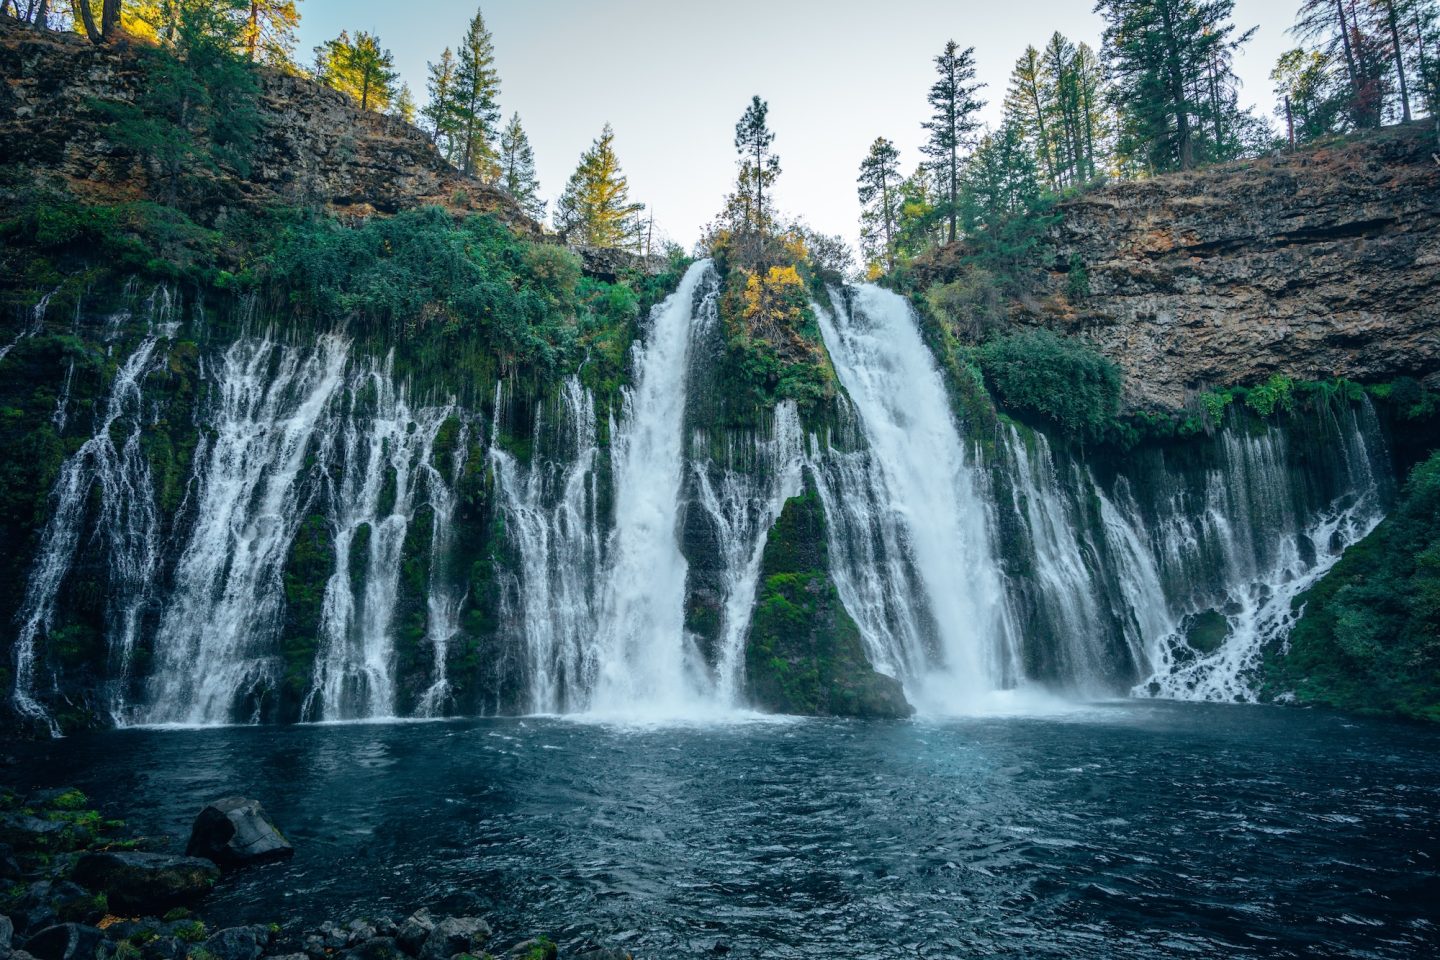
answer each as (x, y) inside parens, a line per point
(805, 654)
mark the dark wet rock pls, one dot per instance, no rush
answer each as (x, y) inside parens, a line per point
(377, 948)
(65, 941)
(29, 833)
(414, 931)
(358, 932)
(9, 866)
(235, 832)
(50, 902)
(238, 943)
(164, 948)
(332, 935)
(146, 882)
(314, 946)
(539, 949)
(455, 935)
(7, 933)
(66, 798)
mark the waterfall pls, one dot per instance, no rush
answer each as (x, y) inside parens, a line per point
(922, 472)
(36, 324)
(643, 660)
(550, 517)
(1072, 629)
(214, 649)
(127, 523)
(443, 603)
(383, 451)
(1259, 541)
(741, 506)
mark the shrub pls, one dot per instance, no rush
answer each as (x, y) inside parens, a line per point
(971, 305)
(1058, 379)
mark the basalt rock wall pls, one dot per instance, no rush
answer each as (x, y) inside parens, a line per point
(1315, 264)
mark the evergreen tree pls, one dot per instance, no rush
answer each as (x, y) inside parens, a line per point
(880, 199)
(759, 165)
(476, 109)
(360, 68)
(402, 105)
(1307, 96)
(1345, 40)
(595, 208)
(517, 169)
(954, 118)
(439, 113)
(1029, 106)
(269, 32)
(1174, 88)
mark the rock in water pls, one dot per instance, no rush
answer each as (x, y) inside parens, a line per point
(7, 930)
(235, 832)
(66, 941)
(146, 882)
(455, 935)
(238, 943)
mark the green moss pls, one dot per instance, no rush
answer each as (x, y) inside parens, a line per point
(1062, 381)
(1369, 639)
(805, 654)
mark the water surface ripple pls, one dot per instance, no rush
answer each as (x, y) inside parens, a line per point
(1136, 829)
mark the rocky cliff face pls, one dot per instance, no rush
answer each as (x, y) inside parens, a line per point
(1322, 263)
(316, 148)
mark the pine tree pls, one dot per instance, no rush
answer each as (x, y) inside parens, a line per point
(517, 169)
(879, 191)
(759, 165)
(1029, 106)
(595, 208)
(955, 108)
(1338, 26)
(1173, 83)
(402, 105)
(269, 32)
(1307, 94)
(360, 67)
(476, 110)
(439, 113)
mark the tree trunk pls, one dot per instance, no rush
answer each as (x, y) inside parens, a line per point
(85, 15)
(41, 20)
(110, 19)
(1399, 60)
(1177, 91)
(1349, 53)
(252, 40)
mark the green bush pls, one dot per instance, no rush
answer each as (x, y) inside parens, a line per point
(1058, 379)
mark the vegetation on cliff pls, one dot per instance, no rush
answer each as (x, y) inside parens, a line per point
(1369, 639)
(805, 654)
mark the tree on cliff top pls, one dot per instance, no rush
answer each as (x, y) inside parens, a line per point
(879, 192)
(475, 106)
(956, 106)
(595, 208)
(1173, 85)
(517, 169)
(360, 67)
(759, 166)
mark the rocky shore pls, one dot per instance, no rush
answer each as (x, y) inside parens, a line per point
(74, 886)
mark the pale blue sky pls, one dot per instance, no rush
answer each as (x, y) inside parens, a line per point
(674, 77)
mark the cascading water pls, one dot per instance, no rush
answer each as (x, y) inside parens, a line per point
(550, 513)
(127, 523)
(1258, 544)
(214, 647)
(34, 326)
(741, 506)
(643, 661)
(442, 605)
(921, 472)
(383, 451)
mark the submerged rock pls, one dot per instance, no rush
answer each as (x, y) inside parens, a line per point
(538, 949)
(414, 931)
(65, 941)
(235, 832)
(146, 882)
(7, 932)
(29, 833)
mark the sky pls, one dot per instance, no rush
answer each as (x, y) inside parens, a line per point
(673, 78)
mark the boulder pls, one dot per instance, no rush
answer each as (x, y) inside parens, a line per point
(29, 833)
(65, 941)
(235, 832)
(376, 948)
(238, 943)
(146, 882)
(9, 866)
(50, 902)
(7, 932)
(455, 935)
(539, 949)
(414, 931)
(164, 948)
